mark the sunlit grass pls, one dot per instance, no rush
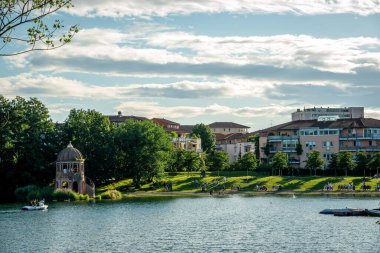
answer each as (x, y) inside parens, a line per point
(191, 182)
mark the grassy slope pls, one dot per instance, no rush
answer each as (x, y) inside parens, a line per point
(183, 182)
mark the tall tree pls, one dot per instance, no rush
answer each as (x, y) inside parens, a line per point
(248, 162)
(333, 164)
(24, 26)
(314, 161)
(280, 162)
(346, 161)
(143, 150)
(27, 145)
(207, 137)
(90, 132)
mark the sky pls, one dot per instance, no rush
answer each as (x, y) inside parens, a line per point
(252, 62)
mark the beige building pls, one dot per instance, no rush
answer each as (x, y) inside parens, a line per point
(326, 136)
(228, 127)
(315, 113)
(236, 145)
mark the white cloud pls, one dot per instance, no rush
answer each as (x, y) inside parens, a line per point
(152, 109)
(148, 8)
(150, 53)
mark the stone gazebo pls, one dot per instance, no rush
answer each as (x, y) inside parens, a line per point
(70, 172)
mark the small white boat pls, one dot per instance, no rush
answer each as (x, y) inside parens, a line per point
(39, 207)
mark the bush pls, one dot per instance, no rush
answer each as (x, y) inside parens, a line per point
(111, 194)
(84, 197)
(46, 193)
(65, 194)
(98, 197)
(33, 195)
(23, 192)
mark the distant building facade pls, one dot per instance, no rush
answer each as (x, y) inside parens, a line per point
(236, 145)
(228, 127)
(326, 136)
(120, 118)
(315, 113)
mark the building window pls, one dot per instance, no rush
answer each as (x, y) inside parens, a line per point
(357, 143)
(310, 144)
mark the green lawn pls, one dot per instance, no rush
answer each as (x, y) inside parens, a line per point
(184, 182)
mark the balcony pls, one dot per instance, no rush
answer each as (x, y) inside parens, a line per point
(359, 137)
(293, 161)
(360, 148)
(285, 150)
(280, 138)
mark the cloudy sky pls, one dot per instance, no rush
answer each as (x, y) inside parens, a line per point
(252, 62)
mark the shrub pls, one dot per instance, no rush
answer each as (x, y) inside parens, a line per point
(22, 192)
(33, 195)
(84, 197)
(98, 197)
(46, 193)
(65, 194)
(111, 194)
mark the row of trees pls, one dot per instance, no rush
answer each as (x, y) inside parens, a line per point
(342, 161)
(30, 142)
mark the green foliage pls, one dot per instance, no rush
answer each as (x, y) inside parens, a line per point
(98, 197)
(65, 194)
(143, 150)
(217, 160)
(207, 138)
(33, 195)
(299, 148)
(84, 197)
(247, 162)
(21, 193)
(345, 161)
(27, 145)
(362, 160)
(374, 162)
(111, 194)
(314, 160)
(23, 27)
(280, 162)
(90, 132)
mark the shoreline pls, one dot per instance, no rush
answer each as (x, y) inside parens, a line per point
(141, 194)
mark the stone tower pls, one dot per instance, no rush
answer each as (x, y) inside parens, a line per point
(70, 172)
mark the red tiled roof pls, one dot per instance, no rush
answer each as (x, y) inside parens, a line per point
(226, 125)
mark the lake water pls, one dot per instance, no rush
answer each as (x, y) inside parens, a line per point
(208, 224)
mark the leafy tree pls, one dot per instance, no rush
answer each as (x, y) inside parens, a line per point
(143, 150)
(248, 161)
(375, 162)
(217, 160)
(280, 162)
(333, 164)
(346, 161)
(362, 161)
(90, 132)
(314, 161)
(193, 161)
(255, 139)
(207, 137)
(27, 146)
(24, 26)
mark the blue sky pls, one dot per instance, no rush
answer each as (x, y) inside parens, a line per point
(251, 62)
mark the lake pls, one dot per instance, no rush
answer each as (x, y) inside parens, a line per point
(207, 224)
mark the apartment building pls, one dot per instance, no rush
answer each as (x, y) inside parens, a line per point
(228, 127)
(235, 145)
(315, 113)
(327, 135)
(120, 118)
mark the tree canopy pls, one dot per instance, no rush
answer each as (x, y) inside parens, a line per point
(143, 150)
(314, 161)
(207, 137)
(280, 162)
(217, 160)
(247, 162)
(346, 161)
(24, 26)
